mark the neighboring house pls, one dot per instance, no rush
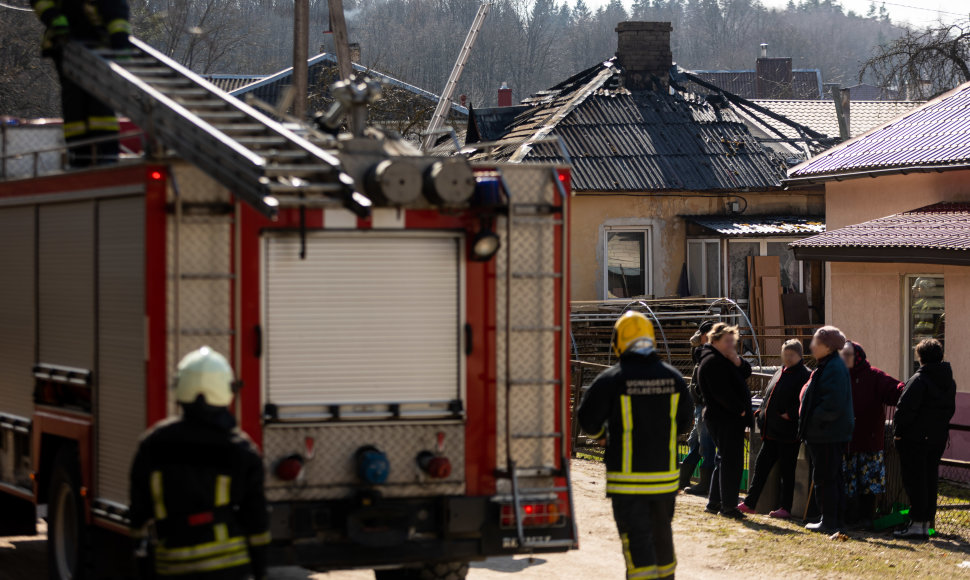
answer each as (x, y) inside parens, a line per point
(898, 238)
(404, 108)
(867, 92)
(645, 154)
(230, 83)
(772, 78)
(820, 116)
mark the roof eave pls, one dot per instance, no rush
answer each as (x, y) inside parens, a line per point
(871, 173)
(903, 255)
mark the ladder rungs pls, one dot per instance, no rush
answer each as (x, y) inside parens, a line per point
(197, 104)
(168, 81)
(190, 92)
(240, 127)
(150, 70)
(262, 140)
(129, 63)
(288, 154)
(296, 170)
(230, 114)
(308, 188)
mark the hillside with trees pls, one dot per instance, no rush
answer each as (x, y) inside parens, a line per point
(531, 44)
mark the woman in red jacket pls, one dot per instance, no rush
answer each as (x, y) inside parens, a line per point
(865, 466)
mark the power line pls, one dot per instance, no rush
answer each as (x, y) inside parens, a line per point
(922, 8)
(17, 8)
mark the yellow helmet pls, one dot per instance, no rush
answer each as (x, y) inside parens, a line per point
(631, 327)
(204, 372)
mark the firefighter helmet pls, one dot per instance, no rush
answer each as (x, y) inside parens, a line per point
(630, 328)
(207, 373)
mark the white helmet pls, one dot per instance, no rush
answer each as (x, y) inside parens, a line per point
(204, 372)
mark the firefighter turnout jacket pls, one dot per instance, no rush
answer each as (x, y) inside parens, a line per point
(105, 22)
(642, 405)
(201, 481)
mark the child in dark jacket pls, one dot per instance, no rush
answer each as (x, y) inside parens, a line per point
(864, 468)
(778, 420)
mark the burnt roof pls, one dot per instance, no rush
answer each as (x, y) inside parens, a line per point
(938, 233)
(491, 123)
(935, 135)
(639, 141)
(759, 225)
(806, 83)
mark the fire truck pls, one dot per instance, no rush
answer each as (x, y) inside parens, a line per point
(397, 323)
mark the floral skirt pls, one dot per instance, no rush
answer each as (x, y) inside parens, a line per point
(864, 472)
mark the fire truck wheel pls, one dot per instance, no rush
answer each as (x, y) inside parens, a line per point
(66, 537)
(446, 571)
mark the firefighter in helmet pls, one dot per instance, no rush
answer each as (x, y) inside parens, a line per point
(98, 23)
(641, 404)
(197, 502)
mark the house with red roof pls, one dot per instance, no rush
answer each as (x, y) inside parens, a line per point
(897, 239)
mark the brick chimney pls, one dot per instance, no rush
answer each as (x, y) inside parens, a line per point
(643, 52)
(774, 77)
(504, 96)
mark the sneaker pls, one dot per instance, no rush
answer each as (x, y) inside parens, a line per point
(780, 513)
(712, 509)
(913, 530)
(743, 508)
(822, 528)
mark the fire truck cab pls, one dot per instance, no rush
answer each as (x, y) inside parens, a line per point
(398, 323)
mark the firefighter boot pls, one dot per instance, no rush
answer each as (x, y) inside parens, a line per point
(703, 487)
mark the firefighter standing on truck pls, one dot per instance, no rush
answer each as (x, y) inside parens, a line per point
(198, 481)
(642, 405)
(100, 23)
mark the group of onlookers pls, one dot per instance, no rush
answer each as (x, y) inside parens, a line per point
(837, 410)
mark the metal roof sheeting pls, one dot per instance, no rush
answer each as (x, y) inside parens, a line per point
(942, 226)
(935, 134)
(640, 141)
(767, 225)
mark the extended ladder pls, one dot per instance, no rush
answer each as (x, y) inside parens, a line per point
(255, 157)
(536, 322)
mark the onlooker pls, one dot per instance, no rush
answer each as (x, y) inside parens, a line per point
(825, 424)
(922, 428)
(778, 420)
(700, 444)
(722, 374)
(865, 466)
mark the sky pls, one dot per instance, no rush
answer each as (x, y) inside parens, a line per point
(916, 12)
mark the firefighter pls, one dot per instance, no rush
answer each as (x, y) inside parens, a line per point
(99, 23)
(641, 404)
(197, 485)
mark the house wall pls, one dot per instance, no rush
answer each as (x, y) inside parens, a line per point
(866, 300)
(592, 213)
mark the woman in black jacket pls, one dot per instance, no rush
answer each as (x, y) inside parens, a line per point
(921, 430)
(722, 376)
(778, 420)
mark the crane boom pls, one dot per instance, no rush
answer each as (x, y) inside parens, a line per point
(444, 102)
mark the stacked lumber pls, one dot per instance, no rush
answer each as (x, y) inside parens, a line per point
(765, 299)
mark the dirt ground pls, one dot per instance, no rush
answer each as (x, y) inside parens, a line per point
(707, 547)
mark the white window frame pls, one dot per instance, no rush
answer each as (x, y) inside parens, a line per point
(720, 265)
(763, 251)
(647, 232)
(906, 303)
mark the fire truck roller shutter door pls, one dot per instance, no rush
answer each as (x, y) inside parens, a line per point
(17, 292)
(121, 342)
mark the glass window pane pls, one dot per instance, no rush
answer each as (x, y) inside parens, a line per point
(926, 312)
(789, 266)
(695, 267)
(625, 264)
(738, 253)
(713, 263)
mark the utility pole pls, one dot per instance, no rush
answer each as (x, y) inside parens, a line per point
(301, 41)
(338, 26)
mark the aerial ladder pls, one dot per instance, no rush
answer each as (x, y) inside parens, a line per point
(260, 160)
(444, 102)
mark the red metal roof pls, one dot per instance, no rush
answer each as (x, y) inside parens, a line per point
(942, 226)
(936, 135)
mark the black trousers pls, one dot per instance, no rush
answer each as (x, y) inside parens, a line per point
(86, 117)
(827, 475)
(785, 454)
(648, 540)
(920, 465)
(728, 465)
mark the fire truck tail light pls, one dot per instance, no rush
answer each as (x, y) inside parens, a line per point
(372, 465)
(534, 515)
(156, 175)
(289, 468)
(436, 466)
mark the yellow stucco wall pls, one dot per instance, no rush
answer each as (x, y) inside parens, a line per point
(591, 213)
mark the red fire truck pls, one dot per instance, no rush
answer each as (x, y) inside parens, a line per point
(397, 321)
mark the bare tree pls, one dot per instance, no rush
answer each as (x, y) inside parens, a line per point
(923, 63)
